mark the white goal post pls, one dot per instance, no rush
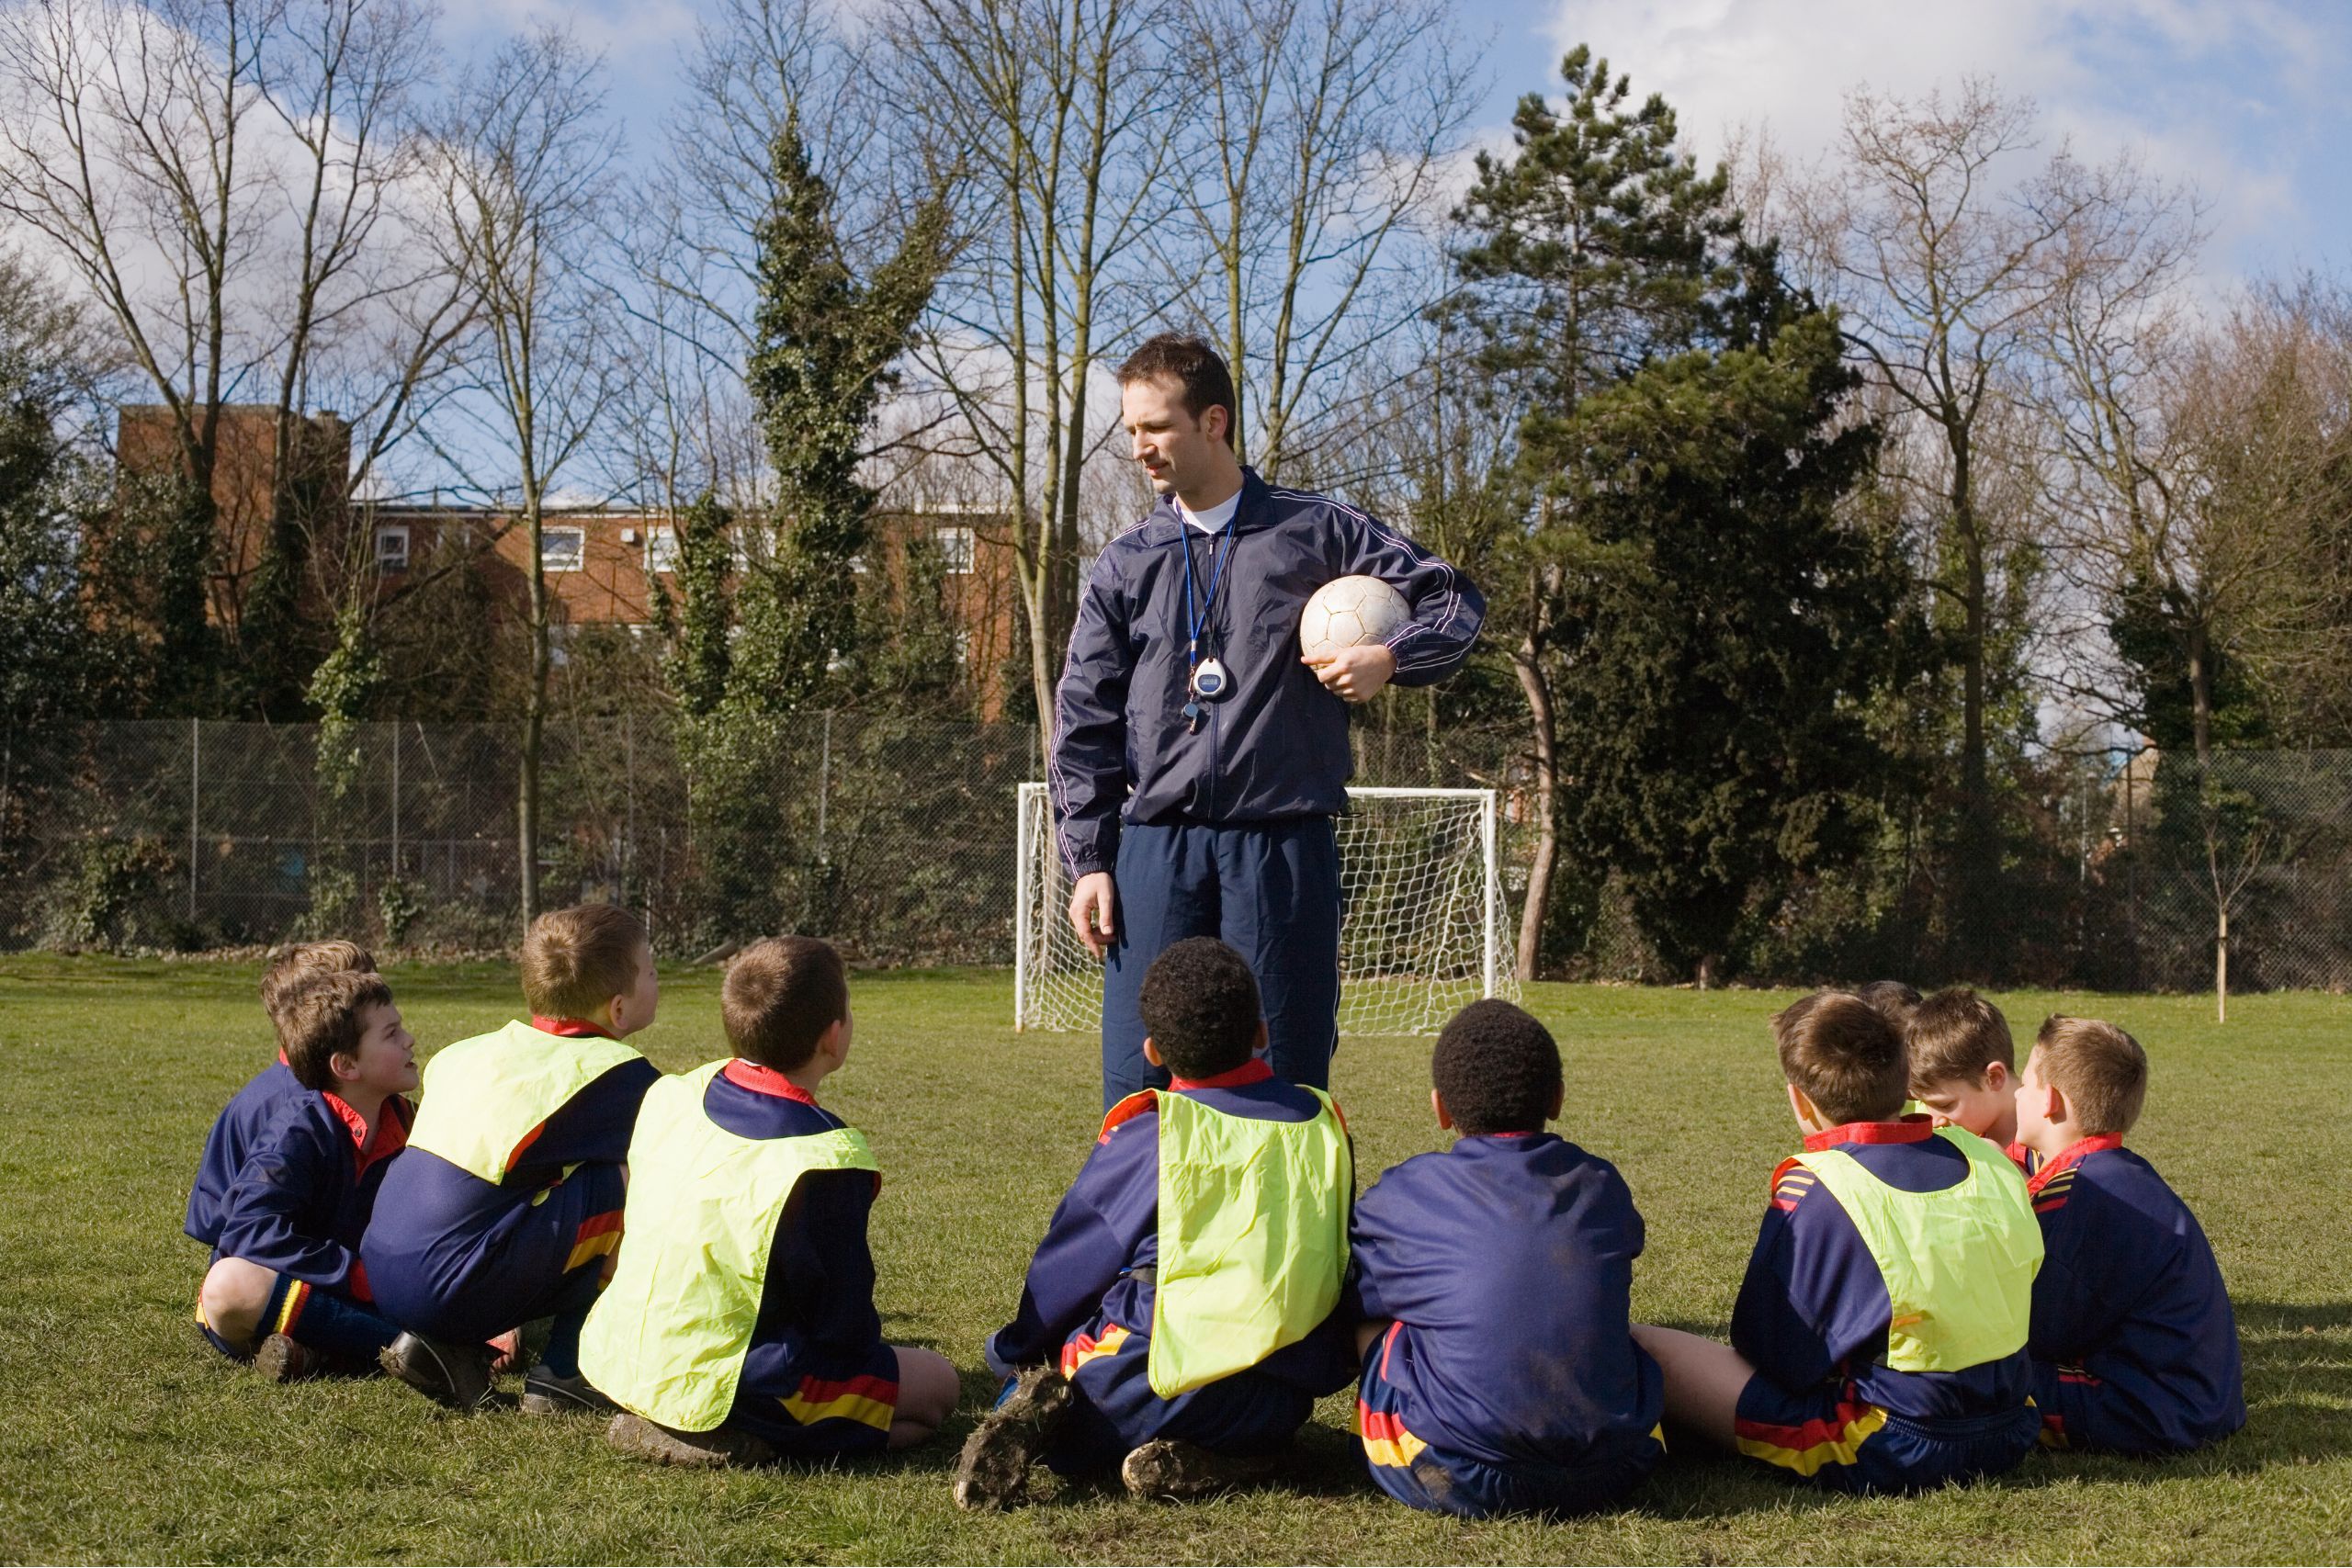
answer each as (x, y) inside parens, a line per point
(1421, 922)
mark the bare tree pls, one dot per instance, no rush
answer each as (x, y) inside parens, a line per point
(1057, 111)
(522, 150)
(1943, 241)
(127, 150)
(1321, 133)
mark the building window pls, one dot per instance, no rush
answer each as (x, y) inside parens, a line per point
(957, 549)
(661, 550)
(391, 548)
(562, 549)
(964, 648)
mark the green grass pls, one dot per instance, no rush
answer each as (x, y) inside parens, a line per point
(124, 1440)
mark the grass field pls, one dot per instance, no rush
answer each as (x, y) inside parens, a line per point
(125, 1438)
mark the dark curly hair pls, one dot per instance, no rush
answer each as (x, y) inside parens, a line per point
(1498, 1067)
(1200, 1007)
(1895, 1000)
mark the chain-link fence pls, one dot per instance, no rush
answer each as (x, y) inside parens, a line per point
(897, 838)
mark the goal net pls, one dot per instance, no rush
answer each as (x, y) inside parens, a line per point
(1421, 918)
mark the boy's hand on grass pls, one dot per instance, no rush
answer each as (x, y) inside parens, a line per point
(1091, 911)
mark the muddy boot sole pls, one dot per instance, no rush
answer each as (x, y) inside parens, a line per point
(282, 1360)
(1180, 1473)
(993, 1471)
(641, 1439)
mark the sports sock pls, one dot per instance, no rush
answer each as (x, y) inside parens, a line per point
(562, 1356)
(322, 1322)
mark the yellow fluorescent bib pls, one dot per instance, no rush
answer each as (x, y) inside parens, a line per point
(668, 1336)
(484, 1096)
(1959, 1264)
(1253, 1237)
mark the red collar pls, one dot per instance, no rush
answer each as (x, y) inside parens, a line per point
(762, 1079)
(1909, 1130)
(281, 1058)
(2071, 1156)
(572, 1028)
(1534, 1133)
(391, 1128)
(1250, 1072)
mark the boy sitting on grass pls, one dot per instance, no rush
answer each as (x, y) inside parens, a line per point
(255, 1106)
(2135, 1348)
(740, 1324)
(1507, 1381)
(285, 1289)
(1878, 1342)
(1176, 1321)
(508, 1201)
(1963, 1064)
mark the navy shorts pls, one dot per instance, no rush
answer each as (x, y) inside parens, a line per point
(1115, 1410)
(842, 1410)
(1423, 1475)
(1835, 1438)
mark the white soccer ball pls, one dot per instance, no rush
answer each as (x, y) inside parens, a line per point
(1347, 612)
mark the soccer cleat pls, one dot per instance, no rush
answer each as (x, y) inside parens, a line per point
(993, 1468)
(451, 1374)
(641, 1439)
(545, 1393)
(281, 1359)
(1182, 1472)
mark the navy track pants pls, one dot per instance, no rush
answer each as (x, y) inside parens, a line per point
(1270, 890)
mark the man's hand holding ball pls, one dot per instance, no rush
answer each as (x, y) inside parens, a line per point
(1353, 674)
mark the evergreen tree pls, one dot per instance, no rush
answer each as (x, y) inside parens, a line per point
(1593, 249)
(1720, 680)
(826, 344)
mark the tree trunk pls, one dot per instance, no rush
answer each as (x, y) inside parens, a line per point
(2201, 708)
(1527, 664)
(2221, 965)
(534, 703)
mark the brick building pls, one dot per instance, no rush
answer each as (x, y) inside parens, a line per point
(599, 563)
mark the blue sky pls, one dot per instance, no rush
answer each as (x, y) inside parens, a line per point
(2245, 98)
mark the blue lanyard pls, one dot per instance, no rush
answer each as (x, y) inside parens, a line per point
(1193, 620)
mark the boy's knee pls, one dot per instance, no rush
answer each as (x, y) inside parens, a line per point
(236, 1295)
(928, 1385)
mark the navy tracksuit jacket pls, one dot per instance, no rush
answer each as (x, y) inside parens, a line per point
(1226, 832)
(2134, 1346)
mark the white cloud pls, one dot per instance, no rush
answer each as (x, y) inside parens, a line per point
(2224, 94)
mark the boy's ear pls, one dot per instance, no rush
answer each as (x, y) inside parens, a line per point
(1258, 1045)
(344, 1066)
(1444, 1117)
(1152, 1052)
(1997, 1077)
(1559, 1099)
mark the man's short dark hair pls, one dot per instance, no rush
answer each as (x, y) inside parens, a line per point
(1199, 369)
(1498, 1069)
(1844, 1054)
(779, 997)
(1200, 1007)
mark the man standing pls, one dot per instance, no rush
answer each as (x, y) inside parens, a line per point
(1185, 686)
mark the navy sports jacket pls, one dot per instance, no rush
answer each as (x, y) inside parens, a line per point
(1278, 747)
(2129, 1308)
